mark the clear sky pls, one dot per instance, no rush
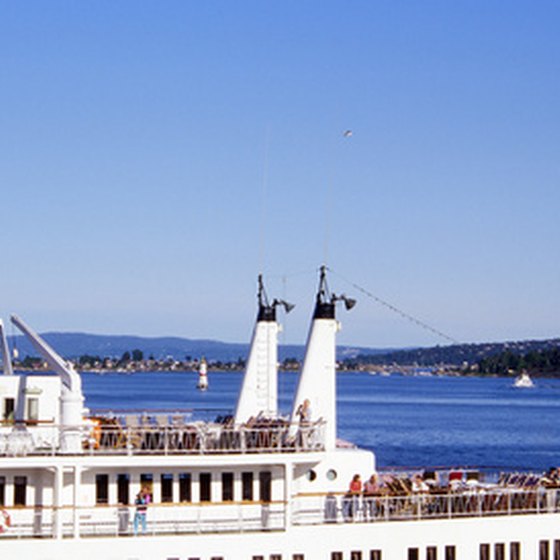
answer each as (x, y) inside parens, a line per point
(156, 156)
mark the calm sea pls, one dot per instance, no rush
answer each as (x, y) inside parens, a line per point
(407, 421)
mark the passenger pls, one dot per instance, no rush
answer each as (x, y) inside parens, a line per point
(371, 491)
(304, 412)
(418, 485)
(304, 415)
(419, 489)
(141, 502)
(354, 493)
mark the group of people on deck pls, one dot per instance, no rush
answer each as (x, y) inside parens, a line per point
(367, 493)
(369, 490)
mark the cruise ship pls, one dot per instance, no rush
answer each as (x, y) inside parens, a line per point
(253, 486)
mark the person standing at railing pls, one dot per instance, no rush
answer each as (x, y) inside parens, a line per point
(371, 492)
(351, 501)
(419, 492)
(142, 501)
(304, 415)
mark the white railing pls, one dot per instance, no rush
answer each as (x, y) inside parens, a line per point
(114, 437)
(479, 502)
(164, 519)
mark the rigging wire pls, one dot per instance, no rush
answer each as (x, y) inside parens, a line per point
(396, 310)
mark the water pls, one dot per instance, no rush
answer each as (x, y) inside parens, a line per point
(407, 421)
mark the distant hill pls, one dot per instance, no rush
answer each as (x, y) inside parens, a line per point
(73, 345)
(456, 354)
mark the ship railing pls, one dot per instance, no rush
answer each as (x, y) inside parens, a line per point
(307, 509)
(442, 504)
(161, 519)
(115, 436)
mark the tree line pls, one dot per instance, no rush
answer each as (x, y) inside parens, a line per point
(543, 362)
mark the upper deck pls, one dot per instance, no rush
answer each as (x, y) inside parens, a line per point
(162, 434)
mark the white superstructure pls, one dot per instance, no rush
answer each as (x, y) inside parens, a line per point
(255, 487)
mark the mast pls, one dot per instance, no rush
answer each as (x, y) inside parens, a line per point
(259, 392)
(317, 382)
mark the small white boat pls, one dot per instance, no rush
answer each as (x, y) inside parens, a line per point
(523, 381)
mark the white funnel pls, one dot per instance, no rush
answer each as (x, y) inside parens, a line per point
(317, 382)
(259, 392)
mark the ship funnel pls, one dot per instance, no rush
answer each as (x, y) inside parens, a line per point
(259, 392)
(317, 382)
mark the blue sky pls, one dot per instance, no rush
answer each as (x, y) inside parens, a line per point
(156, 156)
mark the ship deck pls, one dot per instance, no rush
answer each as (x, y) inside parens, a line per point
(167, 434)
(305, 509)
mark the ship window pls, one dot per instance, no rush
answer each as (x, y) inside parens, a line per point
(2, 490)
(166, 488)
(375, 555)
(147, 481)
(247, 486)
(20, 490)
(185, 493)
(544, 550)
(33, 409)
(331, 474)
(484, 552)
(101, 488)
(336, 555)
(431, 553)
(515, 551)
(450, 552)
(217, 558)
(227, 487)
(258, 557)
(311, 475)
(9, 407)
(275, 557)
(499, 551)
(298, 557)
(413, 554)
(356, 555)
(265, 486)
(556, 550)
(123, 489)
(205, 482)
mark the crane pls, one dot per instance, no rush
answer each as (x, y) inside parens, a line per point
(6, 358)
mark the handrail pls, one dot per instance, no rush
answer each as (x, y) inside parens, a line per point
(102, 436)
(491, 500)
(257, 516)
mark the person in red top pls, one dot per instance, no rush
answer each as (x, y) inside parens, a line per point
(356, 484)
(353, 497)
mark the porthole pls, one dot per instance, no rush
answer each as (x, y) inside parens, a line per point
(331, 474)
(311, 475)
